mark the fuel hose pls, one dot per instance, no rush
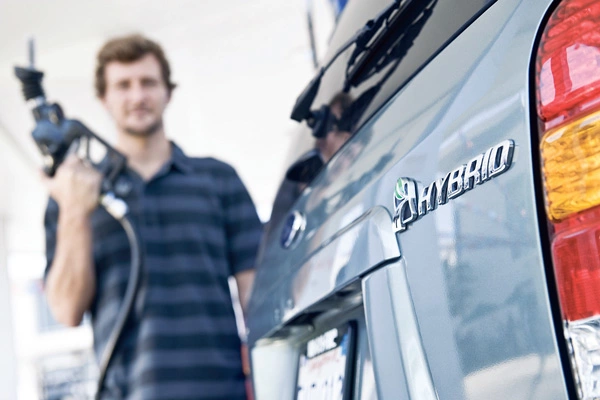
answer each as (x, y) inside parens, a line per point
(119, 210)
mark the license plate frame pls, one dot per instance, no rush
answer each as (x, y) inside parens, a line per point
(323, 361)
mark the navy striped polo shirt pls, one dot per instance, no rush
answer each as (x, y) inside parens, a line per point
(198, 226)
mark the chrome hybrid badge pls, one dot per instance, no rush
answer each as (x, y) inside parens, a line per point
(293, 226)
(410, 206)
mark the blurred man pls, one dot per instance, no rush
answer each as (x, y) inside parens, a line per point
(197, 224)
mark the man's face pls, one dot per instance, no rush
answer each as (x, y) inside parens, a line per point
(136, 95)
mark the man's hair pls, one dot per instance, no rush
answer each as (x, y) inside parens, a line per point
(127, 49)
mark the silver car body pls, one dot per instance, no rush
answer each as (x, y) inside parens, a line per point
(456, 306)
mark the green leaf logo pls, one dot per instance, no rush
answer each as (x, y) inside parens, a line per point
(400, 193)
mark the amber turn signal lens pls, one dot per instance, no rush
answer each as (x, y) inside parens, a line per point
(571, 167)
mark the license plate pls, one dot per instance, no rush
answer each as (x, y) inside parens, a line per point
(325, 366)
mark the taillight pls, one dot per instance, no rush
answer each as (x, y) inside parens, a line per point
(568, 107)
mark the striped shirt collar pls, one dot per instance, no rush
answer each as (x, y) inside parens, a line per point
(179, 160)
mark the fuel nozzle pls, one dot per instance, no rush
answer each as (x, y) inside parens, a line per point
(31, 79)
(52, 136)
(56, 135)
(49, 134)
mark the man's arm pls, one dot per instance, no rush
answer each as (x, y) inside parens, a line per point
(244, 281)
(71, 283)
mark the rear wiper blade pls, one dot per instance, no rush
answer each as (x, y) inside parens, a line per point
(361, 39)
(363, 44)
(390, 44)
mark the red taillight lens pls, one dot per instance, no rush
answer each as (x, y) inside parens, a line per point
(568, 106)
(575, 251)
(568, 62)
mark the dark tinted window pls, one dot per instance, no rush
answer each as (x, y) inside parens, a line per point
(432, 24)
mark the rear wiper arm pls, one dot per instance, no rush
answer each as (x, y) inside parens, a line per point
(301, 110)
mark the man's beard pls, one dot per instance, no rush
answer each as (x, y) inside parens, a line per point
(149, 131)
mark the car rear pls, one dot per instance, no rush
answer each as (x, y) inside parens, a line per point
(450, 249)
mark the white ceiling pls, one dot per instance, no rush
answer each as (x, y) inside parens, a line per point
(239, 65)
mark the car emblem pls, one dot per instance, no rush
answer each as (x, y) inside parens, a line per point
(292, 228)
(405, 202)
(409, 205)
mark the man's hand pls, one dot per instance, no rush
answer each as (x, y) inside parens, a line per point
(244, 281)
(75, 187)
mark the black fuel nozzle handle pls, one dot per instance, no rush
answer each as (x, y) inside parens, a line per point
(54, 140)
